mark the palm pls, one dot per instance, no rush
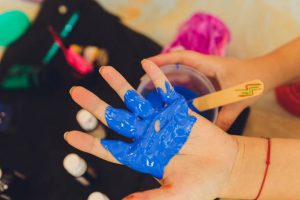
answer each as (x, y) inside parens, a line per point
(158, 133)
(189, 154)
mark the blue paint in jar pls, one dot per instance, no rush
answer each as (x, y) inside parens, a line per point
(152, 148)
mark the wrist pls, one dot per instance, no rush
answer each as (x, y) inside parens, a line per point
(248, 169)
(273, 69)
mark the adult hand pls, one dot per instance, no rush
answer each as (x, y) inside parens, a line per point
(200, 168)
(227, 71)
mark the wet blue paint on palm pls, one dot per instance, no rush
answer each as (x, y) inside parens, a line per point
(187, 93)
(151, 150)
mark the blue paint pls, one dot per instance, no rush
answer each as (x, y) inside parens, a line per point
(137, 104)
(188, 94)
(151, 150)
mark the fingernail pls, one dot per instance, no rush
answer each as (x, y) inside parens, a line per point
(129, 197)
(143, 60)
(101, 68)
(66, 135)
(142, 78)
(72, 88)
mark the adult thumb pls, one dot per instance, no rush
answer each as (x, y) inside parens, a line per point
(227, 116)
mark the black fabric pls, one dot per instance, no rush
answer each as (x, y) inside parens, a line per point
(34, 144)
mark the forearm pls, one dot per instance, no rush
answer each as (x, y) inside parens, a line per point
(283, 178)
(279, 67)
(288, 60)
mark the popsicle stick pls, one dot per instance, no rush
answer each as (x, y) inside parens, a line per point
(229, 95)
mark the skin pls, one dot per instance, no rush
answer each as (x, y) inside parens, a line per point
(212, 163)
(279, 67)
(183, 169)
(276, 68)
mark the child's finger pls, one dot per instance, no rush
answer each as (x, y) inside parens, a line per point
(90, 102)
(159, 80)
(119, 120)
(89, 144)
(115, 80)
(135, 102)
(155, 74)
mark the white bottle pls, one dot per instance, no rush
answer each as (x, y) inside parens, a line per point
(90, 124)
(77, 167)
(13, 185)
(97, 196)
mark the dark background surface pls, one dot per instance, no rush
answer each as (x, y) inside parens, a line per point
(34, 142)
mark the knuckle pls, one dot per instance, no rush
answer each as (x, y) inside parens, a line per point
(224, 123)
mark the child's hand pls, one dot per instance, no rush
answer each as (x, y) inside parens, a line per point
(158, 134)
(191, 155)
(227, 71)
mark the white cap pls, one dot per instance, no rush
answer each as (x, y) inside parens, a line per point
(97, 196)
(75, 165)
(86, 120)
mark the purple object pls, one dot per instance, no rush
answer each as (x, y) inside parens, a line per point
(203, 33)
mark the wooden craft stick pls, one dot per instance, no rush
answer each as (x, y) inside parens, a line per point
(229, 95)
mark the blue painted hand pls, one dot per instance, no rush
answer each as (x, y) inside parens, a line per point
(158, 133)
(193, 157)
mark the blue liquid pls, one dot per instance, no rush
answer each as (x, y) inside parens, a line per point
(188, 94)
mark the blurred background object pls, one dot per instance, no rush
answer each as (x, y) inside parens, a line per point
(203, 33)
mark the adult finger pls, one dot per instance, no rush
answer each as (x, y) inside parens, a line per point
(203, 63)
(227, 116)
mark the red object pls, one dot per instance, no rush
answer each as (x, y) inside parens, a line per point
(74, 59)
(288, 97)
(267, 168)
